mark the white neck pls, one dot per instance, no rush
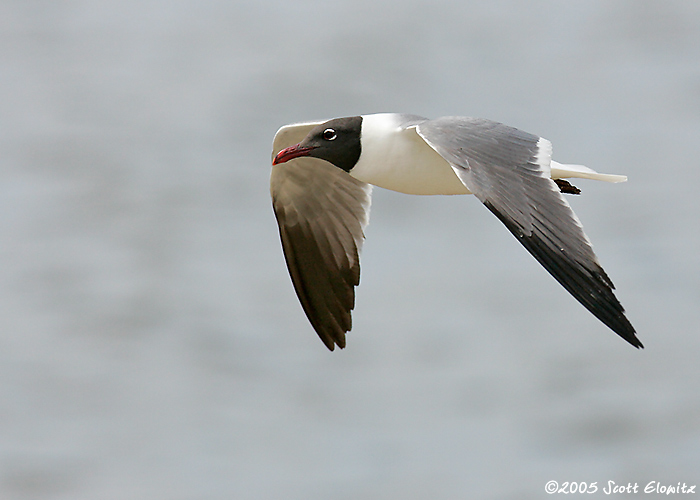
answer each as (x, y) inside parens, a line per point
(397, 158)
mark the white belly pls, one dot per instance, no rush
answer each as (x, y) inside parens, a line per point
(400, 160)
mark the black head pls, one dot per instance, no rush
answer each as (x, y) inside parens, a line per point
(336, 141)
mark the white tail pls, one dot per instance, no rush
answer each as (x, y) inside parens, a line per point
(560, 171)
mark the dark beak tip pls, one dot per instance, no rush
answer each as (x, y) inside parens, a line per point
(290, 153)
(279, 157)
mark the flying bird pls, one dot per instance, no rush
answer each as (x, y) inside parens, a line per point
(321, 184)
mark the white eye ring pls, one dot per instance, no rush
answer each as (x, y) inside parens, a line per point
(329, 134)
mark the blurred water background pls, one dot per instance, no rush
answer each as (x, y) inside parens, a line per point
(152, 347)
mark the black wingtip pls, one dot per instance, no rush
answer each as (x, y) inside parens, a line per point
(591, 287)
(601, 309)
(632, 339)
(628, 335)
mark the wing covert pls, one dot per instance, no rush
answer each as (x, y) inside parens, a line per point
(509, 171)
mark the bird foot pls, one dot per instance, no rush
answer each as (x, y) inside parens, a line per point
(567, 187)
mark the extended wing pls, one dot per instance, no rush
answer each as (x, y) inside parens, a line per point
(509, 171)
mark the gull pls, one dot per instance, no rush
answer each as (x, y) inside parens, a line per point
(321, 184)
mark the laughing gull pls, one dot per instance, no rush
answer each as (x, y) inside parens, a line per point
(321, 184)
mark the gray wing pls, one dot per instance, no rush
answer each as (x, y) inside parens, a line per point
(508, 170)
(321, 212)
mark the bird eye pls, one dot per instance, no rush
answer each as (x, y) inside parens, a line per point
(329, 134)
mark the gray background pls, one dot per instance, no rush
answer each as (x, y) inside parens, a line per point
(152, 347)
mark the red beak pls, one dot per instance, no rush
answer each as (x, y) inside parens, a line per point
(290, 153)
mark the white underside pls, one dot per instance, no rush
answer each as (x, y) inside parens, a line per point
(399, 159)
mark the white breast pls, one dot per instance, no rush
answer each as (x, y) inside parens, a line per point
(398, 158)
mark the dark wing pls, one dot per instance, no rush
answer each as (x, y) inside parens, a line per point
(508, 170)
(321, 212)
